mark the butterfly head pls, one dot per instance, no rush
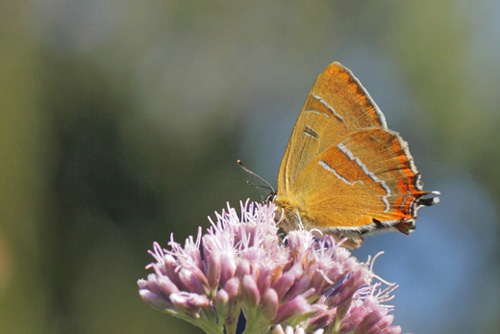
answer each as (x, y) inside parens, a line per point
(270, 198)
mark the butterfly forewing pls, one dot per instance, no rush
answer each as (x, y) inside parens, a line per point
(336, 105)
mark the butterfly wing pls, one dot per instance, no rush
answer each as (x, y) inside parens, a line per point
(336, 105)
(366, 180)
(343, 171)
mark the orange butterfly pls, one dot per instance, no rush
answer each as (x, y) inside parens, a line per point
(344, 172)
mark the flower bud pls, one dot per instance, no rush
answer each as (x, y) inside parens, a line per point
(297, 306)
(270, 304)
(250, 291)
(213, 269)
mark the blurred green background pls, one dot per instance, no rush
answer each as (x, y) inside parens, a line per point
(122, 121)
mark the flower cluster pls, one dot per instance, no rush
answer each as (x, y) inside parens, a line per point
(303, 283)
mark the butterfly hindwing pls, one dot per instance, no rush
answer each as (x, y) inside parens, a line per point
(365, 177)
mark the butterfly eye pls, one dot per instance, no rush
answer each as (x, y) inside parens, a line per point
(270, 198)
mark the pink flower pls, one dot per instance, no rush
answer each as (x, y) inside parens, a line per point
(303, 283)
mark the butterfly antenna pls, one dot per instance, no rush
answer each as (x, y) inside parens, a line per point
(251, 172)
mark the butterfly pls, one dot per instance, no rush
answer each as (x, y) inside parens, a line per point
(344, 172)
